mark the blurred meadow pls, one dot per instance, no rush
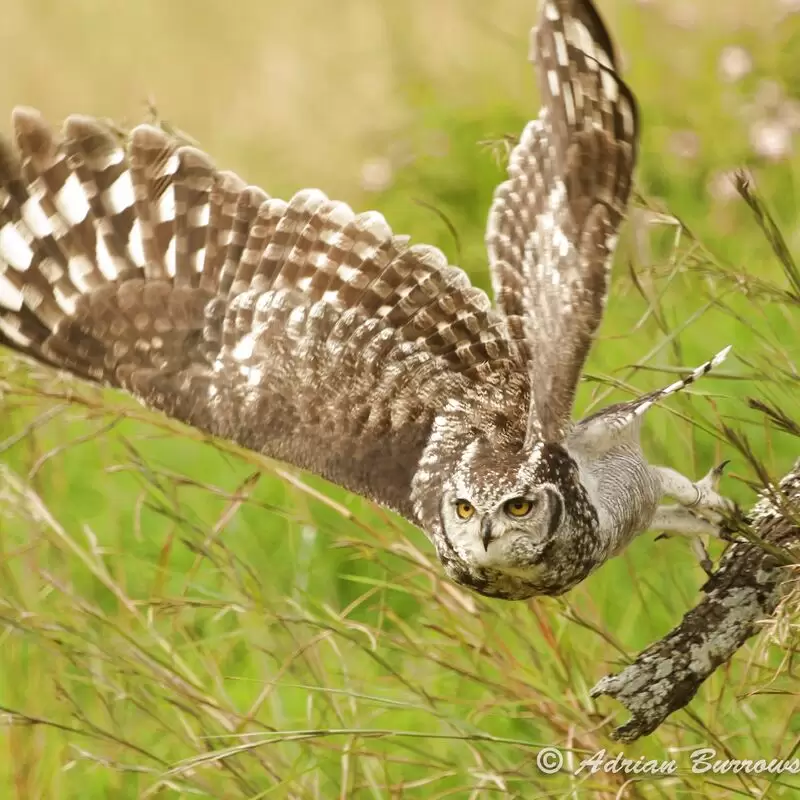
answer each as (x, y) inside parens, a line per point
(182, 619)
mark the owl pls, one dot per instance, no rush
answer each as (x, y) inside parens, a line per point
(316, 336)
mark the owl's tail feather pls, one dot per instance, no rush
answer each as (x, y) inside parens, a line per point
(602, 429)
(638, 407)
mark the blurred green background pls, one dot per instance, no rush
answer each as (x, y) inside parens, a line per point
(180, 619)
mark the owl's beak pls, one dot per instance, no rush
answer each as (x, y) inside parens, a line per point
(486, 532)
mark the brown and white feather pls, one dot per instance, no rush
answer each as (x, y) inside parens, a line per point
(302, 330)
(552, 227)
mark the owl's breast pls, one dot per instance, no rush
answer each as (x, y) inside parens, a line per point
(624, 492)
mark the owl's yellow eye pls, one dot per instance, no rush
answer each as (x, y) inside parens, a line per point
(518, 507)
(464, 509)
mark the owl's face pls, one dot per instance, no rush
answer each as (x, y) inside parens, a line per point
(510, 533)
(515, 523)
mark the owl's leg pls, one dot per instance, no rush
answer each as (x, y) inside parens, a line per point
(683, 521)
(678, 520)
(698, 512)
(702, 495)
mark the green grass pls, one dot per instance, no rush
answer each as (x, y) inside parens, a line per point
(183, 619)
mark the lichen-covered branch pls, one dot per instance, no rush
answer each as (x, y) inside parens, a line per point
(745, 590)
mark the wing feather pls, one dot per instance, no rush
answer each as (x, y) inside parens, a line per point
(298, 329)
(552, 227)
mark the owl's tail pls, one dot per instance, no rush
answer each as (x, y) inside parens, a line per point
(600, 430)
(639, 406)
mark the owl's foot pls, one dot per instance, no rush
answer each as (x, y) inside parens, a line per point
(708, 490)
(677, 520)
(684, 521)
(701, 509)
(702, 497)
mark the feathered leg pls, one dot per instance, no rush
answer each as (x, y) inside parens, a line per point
(698, 511)
(702, 495)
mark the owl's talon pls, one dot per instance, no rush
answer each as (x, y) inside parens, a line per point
(708, 499)
(684, 527)
(712, 478)
(703, 559)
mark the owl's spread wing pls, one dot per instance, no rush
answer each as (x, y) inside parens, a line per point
(553, 224)
(300, 330)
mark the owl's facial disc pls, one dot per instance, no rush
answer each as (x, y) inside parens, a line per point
(519, 509)
(507, 536)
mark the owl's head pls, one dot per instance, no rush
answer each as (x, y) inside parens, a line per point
(515, 522)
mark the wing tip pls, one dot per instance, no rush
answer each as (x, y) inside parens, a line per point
(26, 118)
(149, 143)
(80, 126)
(32, 133)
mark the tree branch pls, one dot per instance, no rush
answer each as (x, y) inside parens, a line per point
(745, 590)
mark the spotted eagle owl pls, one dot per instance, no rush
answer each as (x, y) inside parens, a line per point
(318, 337)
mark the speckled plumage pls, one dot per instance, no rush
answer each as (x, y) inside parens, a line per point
(318, 337)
